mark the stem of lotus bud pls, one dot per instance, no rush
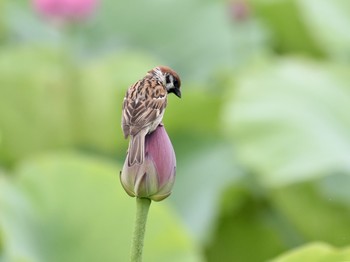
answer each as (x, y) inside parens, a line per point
(142, 207)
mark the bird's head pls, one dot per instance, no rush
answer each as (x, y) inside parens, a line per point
(169, 78)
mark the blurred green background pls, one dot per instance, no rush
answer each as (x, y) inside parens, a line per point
(261, 134)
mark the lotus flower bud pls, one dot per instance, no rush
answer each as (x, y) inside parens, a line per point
(65, 10)
(155, 177)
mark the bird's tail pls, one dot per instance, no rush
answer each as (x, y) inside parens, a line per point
(136, 151)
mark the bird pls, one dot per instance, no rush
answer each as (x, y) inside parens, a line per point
(143, 108)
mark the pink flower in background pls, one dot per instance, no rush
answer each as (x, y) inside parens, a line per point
(65, 10)
(239, 10)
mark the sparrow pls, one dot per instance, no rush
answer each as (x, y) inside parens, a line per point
(143, 108)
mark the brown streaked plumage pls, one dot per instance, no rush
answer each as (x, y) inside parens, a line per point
(143, 108)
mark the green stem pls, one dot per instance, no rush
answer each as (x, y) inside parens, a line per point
(142, 207)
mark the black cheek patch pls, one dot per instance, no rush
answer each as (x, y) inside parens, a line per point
(167, 79)
(176, 83)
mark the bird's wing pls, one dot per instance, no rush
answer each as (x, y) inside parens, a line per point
(143, 105)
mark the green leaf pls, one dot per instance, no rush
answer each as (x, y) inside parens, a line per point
(17, 224)
(289, 120)
(272, 221)
(288, 32)
(35, 101)
(337, 43)
(315, 252)
(83, 214)
(313, 213)
(246, 223)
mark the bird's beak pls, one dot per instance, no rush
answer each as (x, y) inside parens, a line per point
(177, 92)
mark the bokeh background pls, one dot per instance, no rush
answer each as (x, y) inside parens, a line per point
(261, 134)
